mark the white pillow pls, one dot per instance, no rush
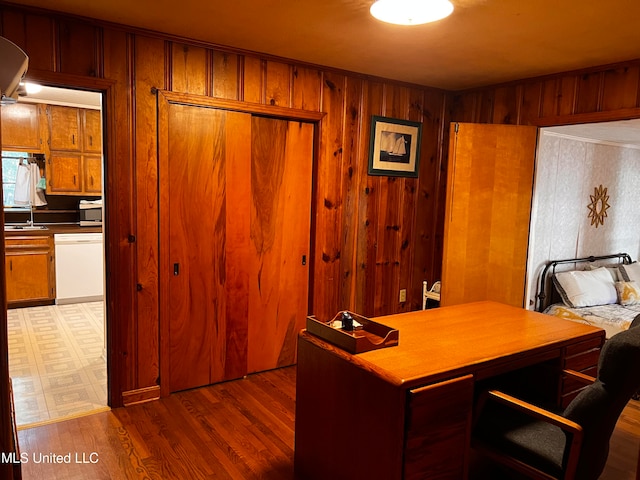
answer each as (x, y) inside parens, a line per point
(614, 271)
(630, 272)
(586, 288)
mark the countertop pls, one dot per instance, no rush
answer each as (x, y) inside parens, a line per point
(53, 229)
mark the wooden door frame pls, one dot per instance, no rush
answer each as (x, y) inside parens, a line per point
(114, 331)
(166, 98)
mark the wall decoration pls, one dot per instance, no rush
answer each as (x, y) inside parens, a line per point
(598, 206)
(394, 149)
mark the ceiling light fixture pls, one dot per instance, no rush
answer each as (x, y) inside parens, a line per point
(411, 12)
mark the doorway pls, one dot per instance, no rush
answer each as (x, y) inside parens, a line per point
(575, 165)
(57, 348)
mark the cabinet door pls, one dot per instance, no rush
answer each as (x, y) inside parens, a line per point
(64, 128)
(64, 173)
(92, 174)
(92, 132)
(29, 269)
(20, 127)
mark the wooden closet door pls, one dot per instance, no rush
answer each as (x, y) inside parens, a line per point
(281, 172)
(235, 227)
(196, 231)
(487, 215)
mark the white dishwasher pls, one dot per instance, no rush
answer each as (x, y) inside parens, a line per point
(79, 267)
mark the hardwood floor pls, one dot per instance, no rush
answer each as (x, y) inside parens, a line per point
(242, 429)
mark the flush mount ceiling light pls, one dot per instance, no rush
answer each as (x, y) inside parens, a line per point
(411, 12)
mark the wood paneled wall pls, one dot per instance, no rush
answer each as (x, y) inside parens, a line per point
(610, 92)
(371, 236)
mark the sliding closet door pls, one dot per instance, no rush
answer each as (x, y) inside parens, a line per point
(235, 227)
(281, 169)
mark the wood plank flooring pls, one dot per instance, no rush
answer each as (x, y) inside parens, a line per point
(235, 430)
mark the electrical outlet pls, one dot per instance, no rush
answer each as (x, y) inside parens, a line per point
(403, 295)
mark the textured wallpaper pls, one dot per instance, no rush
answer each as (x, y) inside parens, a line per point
(568, 170)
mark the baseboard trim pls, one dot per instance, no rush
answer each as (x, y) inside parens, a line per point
(140, 395)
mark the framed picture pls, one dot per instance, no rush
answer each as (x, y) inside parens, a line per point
(395, 147)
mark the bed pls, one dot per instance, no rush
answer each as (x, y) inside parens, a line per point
(601, 291)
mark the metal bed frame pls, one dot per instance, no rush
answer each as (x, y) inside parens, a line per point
(546, 284)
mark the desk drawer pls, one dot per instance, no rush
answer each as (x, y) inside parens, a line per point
(582, 361)
(438, 429)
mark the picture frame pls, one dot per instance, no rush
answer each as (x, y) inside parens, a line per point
(394, 148)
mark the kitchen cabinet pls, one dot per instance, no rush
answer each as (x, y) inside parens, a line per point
(75, 163)
(29, 267)
(92, 131)
(21, 127)
(74, 174)
(64, 128)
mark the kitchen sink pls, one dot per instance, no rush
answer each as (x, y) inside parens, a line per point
(24, 227)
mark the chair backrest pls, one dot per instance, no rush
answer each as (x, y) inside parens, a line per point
(598, 406)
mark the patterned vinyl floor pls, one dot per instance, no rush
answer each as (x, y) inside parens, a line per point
(56, 361)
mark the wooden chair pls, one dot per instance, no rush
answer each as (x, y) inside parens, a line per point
(573, 444)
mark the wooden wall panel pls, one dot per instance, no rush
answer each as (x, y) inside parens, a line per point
(225, 75)
(530, 104)
(119, 185)
(620, 88)
(307, 87)
(253, 80)
(149, 73)
(27, 31)
(505, 105)
(79, 46)
(589, 91)
(352, 172)
(427, 248)
(370, 211)
(189, 69)
(328, 201)
(278, 84)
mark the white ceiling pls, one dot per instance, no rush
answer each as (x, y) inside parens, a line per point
(483, 42)
(624, 133)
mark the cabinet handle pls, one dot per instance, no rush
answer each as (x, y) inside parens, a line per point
(91, 180)
(11, 265)
(74, 179)
(73, 139)
(91, 140)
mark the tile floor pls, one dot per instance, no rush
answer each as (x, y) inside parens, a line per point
(56, 361)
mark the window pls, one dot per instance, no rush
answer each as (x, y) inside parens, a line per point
(10, 161)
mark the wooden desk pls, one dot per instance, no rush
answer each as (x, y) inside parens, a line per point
(405, 411)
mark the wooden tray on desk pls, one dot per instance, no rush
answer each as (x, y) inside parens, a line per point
(371, 336)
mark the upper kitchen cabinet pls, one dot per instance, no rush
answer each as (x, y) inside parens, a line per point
(21, 127)
(75, 164)
(92, 127)
(64, 128)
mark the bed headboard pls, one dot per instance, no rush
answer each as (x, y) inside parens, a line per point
(547, 293)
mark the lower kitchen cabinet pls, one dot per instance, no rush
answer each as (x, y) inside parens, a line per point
(30, 269)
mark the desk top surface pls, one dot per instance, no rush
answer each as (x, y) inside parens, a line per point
(463, 338)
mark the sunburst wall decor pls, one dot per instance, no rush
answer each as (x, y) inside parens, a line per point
(598, 206)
